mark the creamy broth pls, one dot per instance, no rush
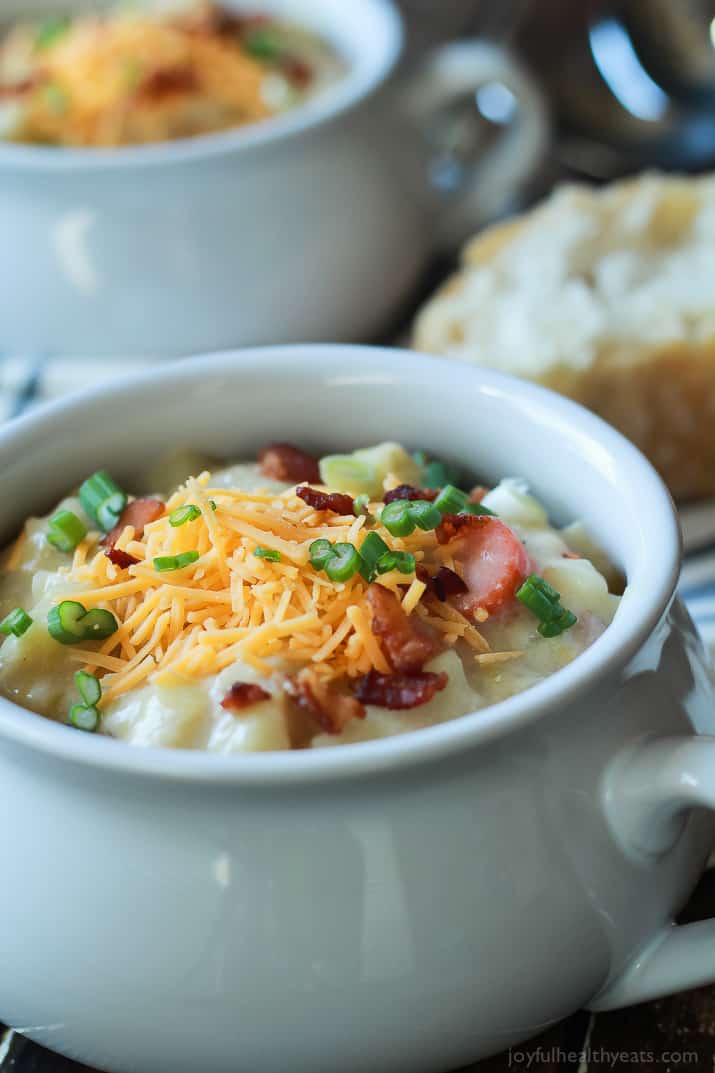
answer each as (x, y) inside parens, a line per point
(253, 646)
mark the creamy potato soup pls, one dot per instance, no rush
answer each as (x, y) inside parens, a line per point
(152, 72)
(292, 602)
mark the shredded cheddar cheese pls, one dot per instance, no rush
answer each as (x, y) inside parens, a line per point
(231, 606)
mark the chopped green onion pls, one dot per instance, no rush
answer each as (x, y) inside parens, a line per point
(262, 44)
(164, 563)
(371, 549)
(212, 504)
(424, 514)
(479, 508)
(65, 530)
(16, 623)
(545, 602)
(451, 500)
(421, 458)
(397, 519)
(402, 561)
(102, 499)
(270, 554)
(564, 621)
(184, 514)
(89, 688)
(49, 30)
(84, 717)
(439, 474)
(343, 563)
(320, 552)
(361, 505)
(69, 622)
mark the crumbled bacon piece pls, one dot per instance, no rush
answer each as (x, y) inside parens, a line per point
(283, 462)
(166, 81)
(399, 691)
(408, 491)
(331, 710)
(297, 71)
(477, 493)
(338, 502)
(18, 89)
(243, 695)
(407, 644)
(570, 555)
(120, 558)
(138, 513)
(448, 583)
(458, 525)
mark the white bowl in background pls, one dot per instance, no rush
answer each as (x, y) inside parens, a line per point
(311, 225)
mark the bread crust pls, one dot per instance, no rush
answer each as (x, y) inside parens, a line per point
(661, 396)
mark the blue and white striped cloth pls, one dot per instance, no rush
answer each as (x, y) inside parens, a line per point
(26, 382)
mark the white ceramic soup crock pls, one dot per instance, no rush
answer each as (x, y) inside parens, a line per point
(400, 906)
(313, 225)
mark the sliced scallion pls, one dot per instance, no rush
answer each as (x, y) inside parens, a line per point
(402, 561)
(270, 554)
(16, 623)
(164, 563)
(371, 549)
(451, 500)
(320, 551)
(65, 530)
(397, 519)
(424, 514)
(343, 563)
(89, 687)
(102, 499)
(544, 602)
(361, 505)
(70, 622)
(84, 717)
(182, 515)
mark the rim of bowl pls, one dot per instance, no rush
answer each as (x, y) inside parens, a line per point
(619, 642)
(360, 82)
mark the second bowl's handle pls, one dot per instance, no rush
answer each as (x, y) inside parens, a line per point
(477, 181)
(648, 793)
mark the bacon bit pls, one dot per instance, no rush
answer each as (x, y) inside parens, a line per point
(243, 695)
(297, 71)
(458, 525)
(138, 513)
(166, 81)
(407, 643)
(408, 491)
(338, 502)
(283, 462)
(18, 89)
(570, 555)
(477, 493)
(332, 711)
(399, 691)
(120, 558)
(447, 583)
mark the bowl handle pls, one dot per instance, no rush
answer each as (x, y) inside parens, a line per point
(477, 183)
(648, 792)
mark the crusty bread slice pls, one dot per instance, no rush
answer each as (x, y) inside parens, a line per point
(608, 296)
